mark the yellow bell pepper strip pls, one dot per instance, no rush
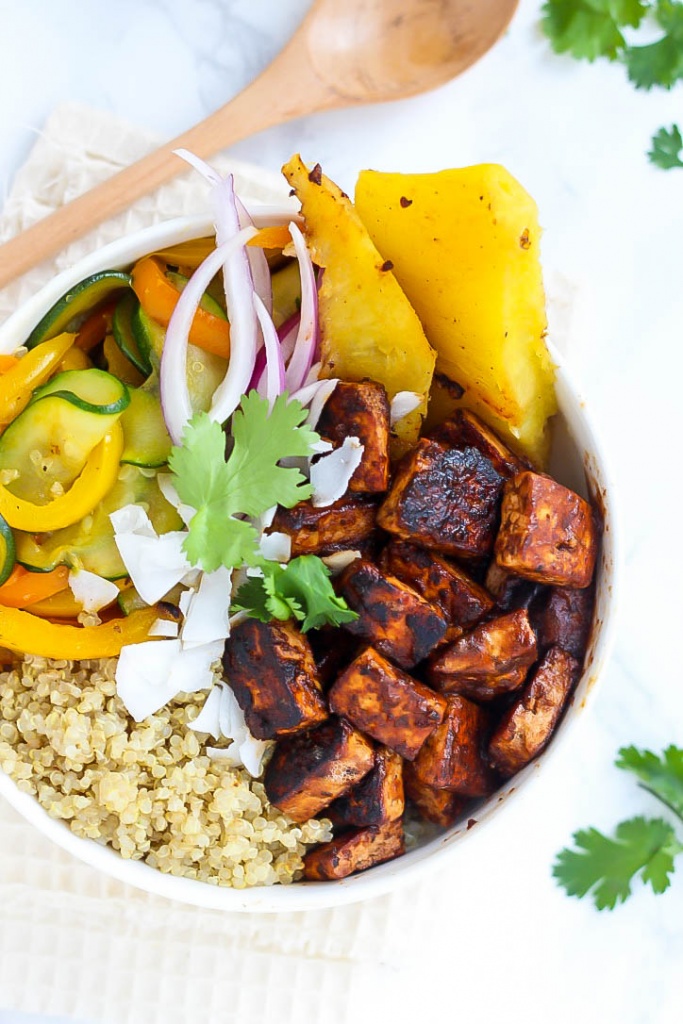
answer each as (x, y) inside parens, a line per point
(24, 633)
(33, 369)
(276, 237)
(23, 588)
(75, 359)
(187, 254)
(93, 330)
(159, 297)
(7, 363)
(96, 479)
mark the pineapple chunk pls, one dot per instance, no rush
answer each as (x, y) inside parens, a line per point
(465, 249)
(369, 328)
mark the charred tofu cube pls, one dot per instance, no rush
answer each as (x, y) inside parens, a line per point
(493, 659)
(347, 523)
(332, 650)
(362, 411)
(444, 498)
(511, 592)
(311, 769)
(453, 756)
(462, 601)
(387, 704)
(547, 532)
(528, 724)
(356, 850)
(378, 798)
(391, 616)
(439, 806)
(566, 620)
(270, 667)
(464, 428)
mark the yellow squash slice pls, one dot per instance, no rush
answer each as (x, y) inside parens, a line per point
(369, 328)
(465, 249)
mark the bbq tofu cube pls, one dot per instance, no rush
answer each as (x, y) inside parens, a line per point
(355, 850)
(462, 601)
(378, 798)
(362, 411)
(310, 770)
(318, 531)
(387, 704)
(439, 806)
(453, 756)
(493, 659)
(464, 428)
(527, 726)
(270, 667)
(547, 532)
(391, 616)
(444, 498)
(566, 620)
(511, 592)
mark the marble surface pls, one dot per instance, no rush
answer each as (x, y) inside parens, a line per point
(576, 136)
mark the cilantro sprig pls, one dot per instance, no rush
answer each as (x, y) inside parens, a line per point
(226, 491)
(647, 847)
(593, 29)
(299, 590)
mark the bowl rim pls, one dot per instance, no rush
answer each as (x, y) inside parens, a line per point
(384, 877)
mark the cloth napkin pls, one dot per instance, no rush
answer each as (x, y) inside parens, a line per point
(74, 942)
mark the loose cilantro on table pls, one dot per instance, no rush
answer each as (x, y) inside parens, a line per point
(667, 148)
(299, 590)
(590, 29)
(606, 866)
(246, 483)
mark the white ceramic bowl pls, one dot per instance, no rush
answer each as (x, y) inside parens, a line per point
(577, 461)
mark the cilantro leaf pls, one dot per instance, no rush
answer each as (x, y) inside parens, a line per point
(661, 776)
(588, 29)
(301, 590)
(667, 148)
(247, 483)
(659, 63)
(262, 439)
(606, 867)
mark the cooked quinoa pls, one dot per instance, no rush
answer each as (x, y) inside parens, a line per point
(143, 788)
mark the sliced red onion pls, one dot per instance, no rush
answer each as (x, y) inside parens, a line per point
(275, 367)
(206, 170)
(331, 474)
(307, 336)
(175, 397)
(239, 292)
(287, 333)
(260, 271)
(259, 370)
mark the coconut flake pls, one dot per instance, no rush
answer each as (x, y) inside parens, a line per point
(167, 488)
(155, 564)
(276, 546)
(165, 628)
(150, 674)
(92, 591)
(403, 403)
(331, 474)
(132, 519)
(207, 609)
(207, 720)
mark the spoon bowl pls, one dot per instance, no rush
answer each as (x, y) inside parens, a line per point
(342, 55)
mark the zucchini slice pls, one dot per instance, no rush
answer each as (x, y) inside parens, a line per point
(8, 551)
(122, 327)
(89, 544)
(72, 306)
(94, 391)
(147, 441)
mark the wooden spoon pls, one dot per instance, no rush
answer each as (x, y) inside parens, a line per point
(345, 53)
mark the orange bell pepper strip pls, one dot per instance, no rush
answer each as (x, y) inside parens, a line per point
(158, 297)
(97, 478)
(93, 329)
(32, 370)
(24, 633)
(23, 588)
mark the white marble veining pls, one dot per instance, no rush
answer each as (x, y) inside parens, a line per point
(512, 946)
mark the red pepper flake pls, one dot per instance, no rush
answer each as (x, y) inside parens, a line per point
(453, 389)
(387, 265)
(405, 202)
(524, 240)
(292, 191)
(316, 175)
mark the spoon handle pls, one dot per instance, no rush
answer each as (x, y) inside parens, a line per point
(287, 89)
